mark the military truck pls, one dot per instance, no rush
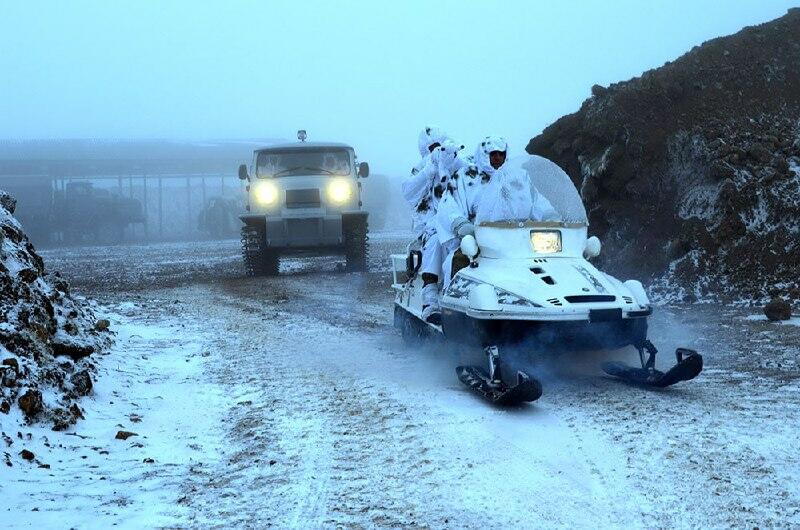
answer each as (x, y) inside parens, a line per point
(303, 198)
(85, 213)
(219, 217)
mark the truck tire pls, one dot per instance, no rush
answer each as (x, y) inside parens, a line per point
(354, 229)
(259, 260)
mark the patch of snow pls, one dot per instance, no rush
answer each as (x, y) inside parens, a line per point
(699, 201)
(755, 220)
(688, 166)
(594, 167)
(149, 383)
(794, 321)
(794, 167)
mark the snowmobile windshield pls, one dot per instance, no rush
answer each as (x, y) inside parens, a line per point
(290, 162)
(554, 184)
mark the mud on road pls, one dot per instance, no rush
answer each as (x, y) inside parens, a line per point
(139, 267)
(330, 421)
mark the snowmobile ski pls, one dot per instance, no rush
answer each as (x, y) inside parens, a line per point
(689, 365)
(498, 393)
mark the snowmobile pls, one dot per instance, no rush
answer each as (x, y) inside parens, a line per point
(528, 287)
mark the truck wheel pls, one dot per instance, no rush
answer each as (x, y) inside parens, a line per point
(355, 243)
(259, 260)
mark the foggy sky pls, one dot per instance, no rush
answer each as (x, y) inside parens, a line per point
(370, 74)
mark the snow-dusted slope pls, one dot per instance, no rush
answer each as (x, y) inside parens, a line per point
(690, 171)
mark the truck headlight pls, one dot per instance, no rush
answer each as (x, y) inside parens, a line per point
(266, 193)
(546, 241)
(339, 191)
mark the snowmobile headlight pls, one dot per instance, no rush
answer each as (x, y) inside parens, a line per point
(266, 193)
(546, 241)
(339, 191)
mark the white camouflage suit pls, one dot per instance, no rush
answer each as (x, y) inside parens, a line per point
(459, 204)
(423, 190)
(481, 193)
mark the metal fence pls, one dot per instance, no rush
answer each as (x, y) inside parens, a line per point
(170, 204)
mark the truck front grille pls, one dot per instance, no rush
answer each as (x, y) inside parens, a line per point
(303, 231)
(303, 198)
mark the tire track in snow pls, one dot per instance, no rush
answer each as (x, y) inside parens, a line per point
(356, 425)
(324, 433)
(725, 441)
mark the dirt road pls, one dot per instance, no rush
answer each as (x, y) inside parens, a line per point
(325, 419)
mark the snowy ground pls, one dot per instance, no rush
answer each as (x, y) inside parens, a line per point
(291, 401)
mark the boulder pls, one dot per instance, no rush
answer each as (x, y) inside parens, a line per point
(76, 411)
(778, 309)
(62, 419)
(598, 90)
(28, 275)
(8, 377)
(13, 363)
(30, 403)
(124, 435)
(71, 349)
(759, 153)
(81, 383)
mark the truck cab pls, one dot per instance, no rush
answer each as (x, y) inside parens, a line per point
(303, 198)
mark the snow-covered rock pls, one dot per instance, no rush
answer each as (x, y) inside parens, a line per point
(47, 335)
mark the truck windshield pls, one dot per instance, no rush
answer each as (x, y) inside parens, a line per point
(288, 162)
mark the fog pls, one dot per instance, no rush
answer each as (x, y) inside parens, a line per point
(199, 333)
(367, 74)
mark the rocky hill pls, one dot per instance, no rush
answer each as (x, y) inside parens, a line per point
(691, 172)
(47, 335)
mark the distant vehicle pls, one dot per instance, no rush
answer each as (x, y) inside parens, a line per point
(303, 198)
(83, 212)
(218, 217)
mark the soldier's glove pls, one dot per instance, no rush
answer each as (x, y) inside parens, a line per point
(462, 227)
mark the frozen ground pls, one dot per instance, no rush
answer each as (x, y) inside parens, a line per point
(291, 401)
